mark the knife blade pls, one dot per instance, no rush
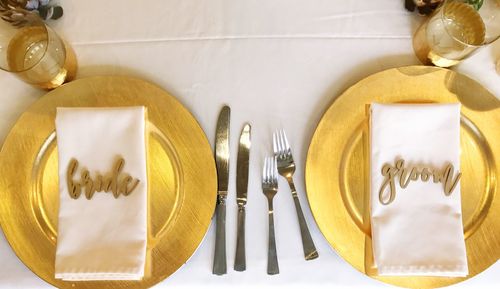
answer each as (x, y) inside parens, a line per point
(241, 197)
(222, 164)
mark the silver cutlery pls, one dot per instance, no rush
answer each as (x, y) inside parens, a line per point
(222, 163)
(286, 168)
(241, 197)
(270, 188)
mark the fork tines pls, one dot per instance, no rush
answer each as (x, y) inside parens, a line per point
(269, 173)
(281, 146)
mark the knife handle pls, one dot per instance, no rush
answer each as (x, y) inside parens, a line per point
(220, 266)
(240, 259)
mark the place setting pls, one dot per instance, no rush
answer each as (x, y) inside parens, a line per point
(113, 182)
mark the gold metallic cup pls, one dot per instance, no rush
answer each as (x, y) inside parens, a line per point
(455, 30)
(34, 52)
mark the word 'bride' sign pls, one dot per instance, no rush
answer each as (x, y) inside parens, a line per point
(447, 177)
(112, 183)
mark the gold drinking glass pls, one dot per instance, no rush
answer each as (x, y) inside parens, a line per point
(455, 30)
(34, 52)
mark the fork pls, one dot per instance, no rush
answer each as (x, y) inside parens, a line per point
(270, 188)
(286, 168)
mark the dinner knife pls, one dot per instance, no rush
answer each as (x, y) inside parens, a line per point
(222, 163)
(241, 197)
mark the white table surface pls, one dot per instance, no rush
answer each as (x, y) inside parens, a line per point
(277, 63)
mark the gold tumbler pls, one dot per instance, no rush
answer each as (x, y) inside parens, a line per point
(34, 52)
(455, 30)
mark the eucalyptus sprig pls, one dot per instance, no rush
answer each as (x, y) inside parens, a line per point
(21, 12)
(45, 9)
(11, 12)
(426, 7)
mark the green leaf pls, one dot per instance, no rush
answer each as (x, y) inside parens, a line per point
(58, 12)
(475, 3)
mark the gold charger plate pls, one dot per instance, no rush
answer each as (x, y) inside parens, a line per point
(336, 169)
(181, 175)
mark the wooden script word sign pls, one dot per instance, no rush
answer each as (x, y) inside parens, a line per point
(112, 183)
(447, 177)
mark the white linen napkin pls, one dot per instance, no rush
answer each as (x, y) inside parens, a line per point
(420, 232)
(102, 238)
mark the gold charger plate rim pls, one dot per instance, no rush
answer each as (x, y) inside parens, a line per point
(335, 221)
(193, 177)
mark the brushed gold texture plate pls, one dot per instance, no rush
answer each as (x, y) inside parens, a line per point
(337, 166)
(181, 176)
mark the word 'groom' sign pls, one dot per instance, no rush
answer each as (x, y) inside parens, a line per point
(115, 182)
(405, 175)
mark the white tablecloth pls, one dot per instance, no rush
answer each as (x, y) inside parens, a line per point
(277, 63)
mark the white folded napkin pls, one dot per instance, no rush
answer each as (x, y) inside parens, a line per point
(102, 238)
(420, 232)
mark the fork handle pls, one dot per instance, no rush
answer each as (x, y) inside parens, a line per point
(310, 251)
(220, 265)
(240, 260)
(272, 256)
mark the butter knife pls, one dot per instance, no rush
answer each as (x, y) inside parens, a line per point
(241, 197)
(222, 163)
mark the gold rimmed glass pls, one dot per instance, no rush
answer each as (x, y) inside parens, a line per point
(455, 30)
(34, 52)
